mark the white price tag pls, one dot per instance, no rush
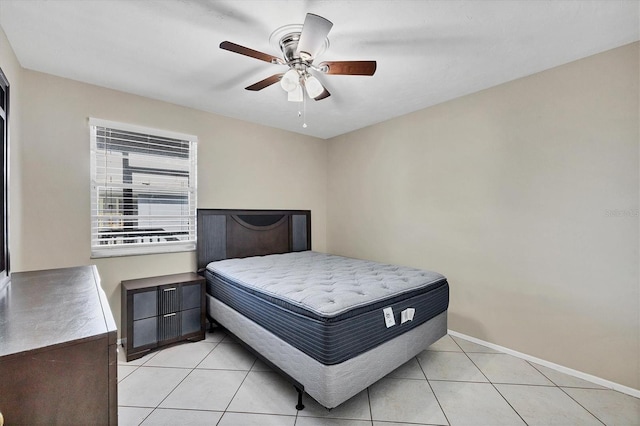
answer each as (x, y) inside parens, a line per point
(410, 313)
(389, 320)
(407, 315)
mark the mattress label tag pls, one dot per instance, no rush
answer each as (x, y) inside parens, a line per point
(388, 317)
(407, 315)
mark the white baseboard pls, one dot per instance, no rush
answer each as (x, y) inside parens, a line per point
(579, 374)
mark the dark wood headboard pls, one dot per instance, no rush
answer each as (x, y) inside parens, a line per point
(227, 234)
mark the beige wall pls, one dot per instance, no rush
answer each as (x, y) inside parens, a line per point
(240, 165)
(506, 192)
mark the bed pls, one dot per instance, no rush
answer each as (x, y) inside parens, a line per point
(331, 325)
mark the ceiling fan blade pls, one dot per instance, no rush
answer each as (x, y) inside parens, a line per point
(236, 48)
(265, 83)
(314, 31)
(323, 95)
(348, 67)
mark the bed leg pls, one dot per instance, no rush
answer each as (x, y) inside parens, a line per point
(212, 323)
(300, 405)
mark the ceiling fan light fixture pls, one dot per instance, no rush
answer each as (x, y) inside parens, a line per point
(313, 86)
(296, 95)
(290, 80)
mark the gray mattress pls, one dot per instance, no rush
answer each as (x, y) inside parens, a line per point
(329, 307)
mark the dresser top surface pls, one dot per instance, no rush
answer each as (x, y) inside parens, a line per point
(52, 307)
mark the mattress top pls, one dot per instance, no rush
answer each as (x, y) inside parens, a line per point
(325, 284)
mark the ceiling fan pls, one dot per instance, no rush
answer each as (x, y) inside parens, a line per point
(300, 46)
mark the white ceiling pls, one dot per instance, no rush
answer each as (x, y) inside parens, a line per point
(427, 51)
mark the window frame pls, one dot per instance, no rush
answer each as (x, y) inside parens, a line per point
(144, 248)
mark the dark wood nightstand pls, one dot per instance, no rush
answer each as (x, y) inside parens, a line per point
(159, 311)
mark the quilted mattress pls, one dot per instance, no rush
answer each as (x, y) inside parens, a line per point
(330, 307)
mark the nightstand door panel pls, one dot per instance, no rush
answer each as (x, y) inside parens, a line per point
(145, 332)
(145, 304)
(190, 296)
(191, 321)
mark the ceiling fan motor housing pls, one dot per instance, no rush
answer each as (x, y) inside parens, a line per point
(289, 46)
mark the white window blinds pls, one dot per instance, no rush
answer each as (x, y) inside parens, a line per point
(143, 190)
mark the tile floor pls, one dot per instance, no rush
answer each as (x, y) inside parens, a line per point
(454, 382)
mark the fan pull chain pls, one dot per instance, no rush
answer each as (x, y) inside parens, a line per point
(304, 112)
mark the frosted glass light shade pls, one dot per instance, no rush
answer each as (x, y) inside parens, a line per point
(314, 87)
(290, 80)
(295, 95)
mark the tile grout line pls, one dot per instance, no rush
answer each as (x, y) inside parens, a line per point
(236, 392)
(492, 384)
(507, 401)
(208, 353)
(433, 392)
(167, 395)
(225, 411)
(202, 360)
(565, 392)
(176, 386)
(585, 408)
(134, 370)
(369, 401)
(153, 408)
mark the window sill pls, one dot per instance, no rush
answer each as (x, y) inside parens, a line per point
(138, 250)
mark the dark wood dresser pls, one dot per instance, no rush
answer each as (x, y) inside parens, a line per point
(58, 360)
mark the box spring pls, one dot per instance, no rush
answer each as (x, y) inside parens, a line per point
(330, 385)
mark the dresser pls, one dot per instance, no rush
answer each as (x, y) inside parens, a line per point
(58, 360)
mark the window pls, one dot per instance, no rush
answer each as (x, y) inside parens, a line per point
(143, 190)
(4, 180)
